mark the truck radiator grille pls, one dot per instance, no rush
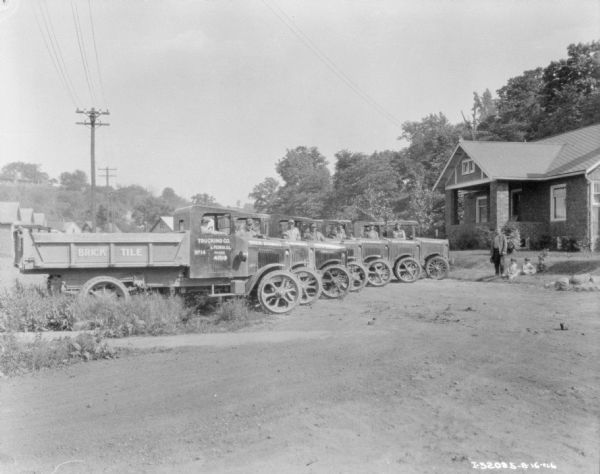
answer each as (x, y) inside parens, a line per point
(299, 255)
(266, 257)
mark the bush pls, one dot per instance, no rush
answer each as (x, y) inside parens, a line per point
(513, 234)
(235, 309)
(479, 238)
(544, 242)
(151, 314)
(31, 309)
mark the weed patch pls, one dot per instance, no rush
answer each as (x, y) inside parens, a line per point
(18, 357)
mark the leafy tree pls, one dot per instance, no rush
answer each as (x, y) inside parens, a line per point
(359, 180)
(20, 170)
(265, 195)
(432, 141)
(172, 199)
(571, 90)
(204, 199)
(307, 182)
(76, 181)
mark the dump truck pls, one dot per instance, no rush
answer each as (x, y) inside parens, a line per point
(431, 254)
(203, 255)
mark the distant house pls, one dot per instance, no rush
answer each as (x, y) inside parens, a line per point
(39, 219)
(163, 224)
(548, 188)
(26, 215)
(86, 226)
(10, 216)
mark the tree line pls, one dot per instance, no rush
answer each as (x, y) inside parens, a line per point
(563, 96)
(130, 208)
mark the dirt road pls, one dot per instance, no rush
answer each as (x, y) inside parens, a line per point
(414, 378)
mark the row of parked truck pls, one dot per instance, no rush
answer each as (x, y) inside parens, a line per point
(276, 272)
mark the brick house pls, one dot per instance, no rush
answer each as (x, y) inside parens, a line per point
(550, 187)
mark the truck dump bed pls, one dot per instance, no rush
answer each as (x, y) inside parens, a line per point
(41, 252)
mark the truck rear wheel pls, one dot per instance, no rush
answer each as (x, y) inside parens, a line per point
(311, 285)
(380, 272)
(437, 268)
(336, 281)
(360, 276)
(279, 292)
(104, 286)
(407, 270)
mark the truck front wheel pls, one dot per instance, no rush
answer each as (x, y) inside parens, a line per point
(279, 292)
(104, 286)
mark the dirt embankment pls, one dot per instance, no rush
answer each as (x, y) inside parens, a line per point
(408, 378)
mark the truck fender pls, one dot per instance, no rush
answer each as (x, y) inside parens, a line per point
(255, 279)
(400, 257)
(328, 263)
(370, 258)
(299, 265)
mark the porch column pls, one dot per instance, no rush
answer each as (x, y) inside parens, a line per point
(499, 204)
(451, 207)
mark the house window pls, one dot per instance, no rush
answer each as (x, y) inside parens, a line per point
(558, 202)
(481, 209)
(596, 193)
(468, 167)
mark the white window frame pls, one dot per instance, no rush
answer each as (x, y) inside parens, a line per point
(478, 212)
(552, 207)
(467, 167)
(596, 193)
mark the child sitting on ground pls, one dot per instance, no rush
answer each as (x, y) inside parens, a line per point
(513, 269)
(528, 268)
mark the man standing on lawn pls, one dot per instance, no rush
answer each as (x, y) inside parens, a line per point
(498, 251)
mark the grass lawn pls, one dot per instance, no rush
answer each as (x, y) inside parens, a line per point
(474, 265)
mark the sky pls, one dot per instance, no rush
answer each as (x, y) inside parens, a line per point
(205, 96)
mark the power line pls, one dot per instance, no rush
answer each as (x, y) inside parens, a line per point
(54, 60)
(295, 29)
(54, 50)
(101, 82)
(81, 45)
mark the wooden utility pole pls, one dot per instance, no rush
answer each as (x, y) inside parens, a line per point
(107, 174)
(93, 122)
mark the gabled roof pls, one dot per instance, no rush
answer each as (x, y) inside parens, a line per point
(512, 159)
(581, 150)
(573, 152)
(9, 212)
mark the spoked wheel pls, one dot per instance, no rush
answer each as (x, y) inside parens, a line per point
(336, 281)
(104, 286)
(407, 270)
(380, 272)
(437, 268)
(360, 276)
(310, 283)
(279, 292)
